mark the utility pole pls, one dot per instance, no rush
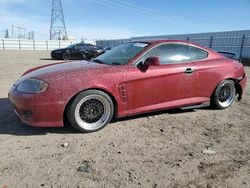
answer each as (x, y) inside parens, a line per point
(12, 31)
(57, 25)
(6, 34)
(31, 35)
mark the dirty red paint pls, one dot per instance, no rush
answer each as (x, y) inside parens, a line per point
(134, 92)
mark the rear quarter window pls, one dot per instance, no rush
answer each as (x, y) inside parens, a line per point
(197, 53)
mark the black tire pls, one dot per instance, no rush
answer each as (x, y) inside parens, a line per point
(66, 56)
(224, 95)
(76, 117)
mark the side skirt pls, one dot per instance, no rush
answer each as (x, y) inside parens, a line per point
(203, 105)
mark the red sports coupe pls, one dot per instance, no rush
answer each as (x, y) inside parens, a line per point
(133, 78)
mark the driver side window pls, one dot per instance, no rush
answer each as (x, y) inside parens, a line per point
(169, 53)
(78, 47)
(88, 47)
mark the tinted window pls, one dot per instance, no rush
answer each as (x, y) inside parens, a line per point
(96, 48)
(71, 46)
(196, 53)
(170, 53)
(88, 46)
(79, 46)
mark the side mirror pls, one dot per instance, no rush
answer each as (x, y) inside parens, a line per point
(150, 61)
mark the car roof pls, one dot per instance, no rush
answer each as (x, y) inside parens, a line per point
(85, 43)
(159, 41)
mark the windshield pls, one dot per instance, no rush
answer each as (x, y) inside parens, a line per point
(120, 55)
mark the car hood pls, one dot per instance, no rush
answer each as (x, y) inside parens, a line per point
(68, 69)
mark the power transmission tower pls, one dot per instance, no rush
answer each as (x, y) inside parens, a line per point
(57, 25)
(18, 32)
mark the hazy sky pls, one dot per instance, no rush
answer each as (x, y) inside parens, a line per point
(105, 19)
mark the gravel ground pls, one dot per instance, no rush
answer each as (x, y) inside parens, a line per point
(155, 150)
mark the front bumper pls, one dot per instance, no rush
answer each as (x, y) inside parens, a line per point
(35, 110)
(56, 55)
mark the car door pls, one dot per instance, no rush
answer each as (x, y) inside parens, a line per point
(163, 86)
(81, 53)
(88, 51)
(206, 75)
(75, 52)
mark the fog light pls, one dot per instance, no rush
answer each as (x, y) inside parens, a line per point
(27, 113)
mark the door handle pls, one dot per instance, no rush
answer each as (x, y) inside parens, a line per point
(189, 70)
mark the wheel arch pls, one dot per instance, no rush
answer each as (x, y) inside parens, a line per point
(92, 88)
(237, 87)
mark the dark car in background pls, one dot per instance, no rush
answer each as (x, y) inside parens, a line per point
(77, 52)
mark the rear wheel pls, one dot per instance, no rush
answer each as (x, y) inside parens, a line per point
(90, 111)
(224, 95)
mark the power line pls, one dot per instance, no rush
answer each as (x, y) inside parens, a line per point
(143, 13)
(150, 14)
(190, 21)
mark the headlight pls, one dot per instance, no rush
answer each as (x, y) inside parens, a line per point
(32, 85)
(99, 51)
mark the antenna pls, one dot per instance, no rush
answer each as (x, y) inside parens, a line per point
(57, 25)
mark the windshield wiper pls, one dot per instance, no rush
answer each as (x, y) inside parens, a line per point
(102, 62)
(115, 63)
(98, 61)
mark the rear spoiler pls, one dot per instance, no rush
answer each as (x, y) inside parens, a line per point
(230, 55)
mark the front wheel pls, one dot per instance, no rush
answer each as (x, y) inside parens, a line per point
(224, 95)
(66, 56)
(90, 111)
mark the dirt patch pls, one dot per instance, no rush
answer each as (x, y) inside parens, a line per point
(155, 150)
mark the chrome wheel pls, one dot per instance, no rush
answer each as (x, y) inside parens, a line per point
(92, 112)
(226, 94)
